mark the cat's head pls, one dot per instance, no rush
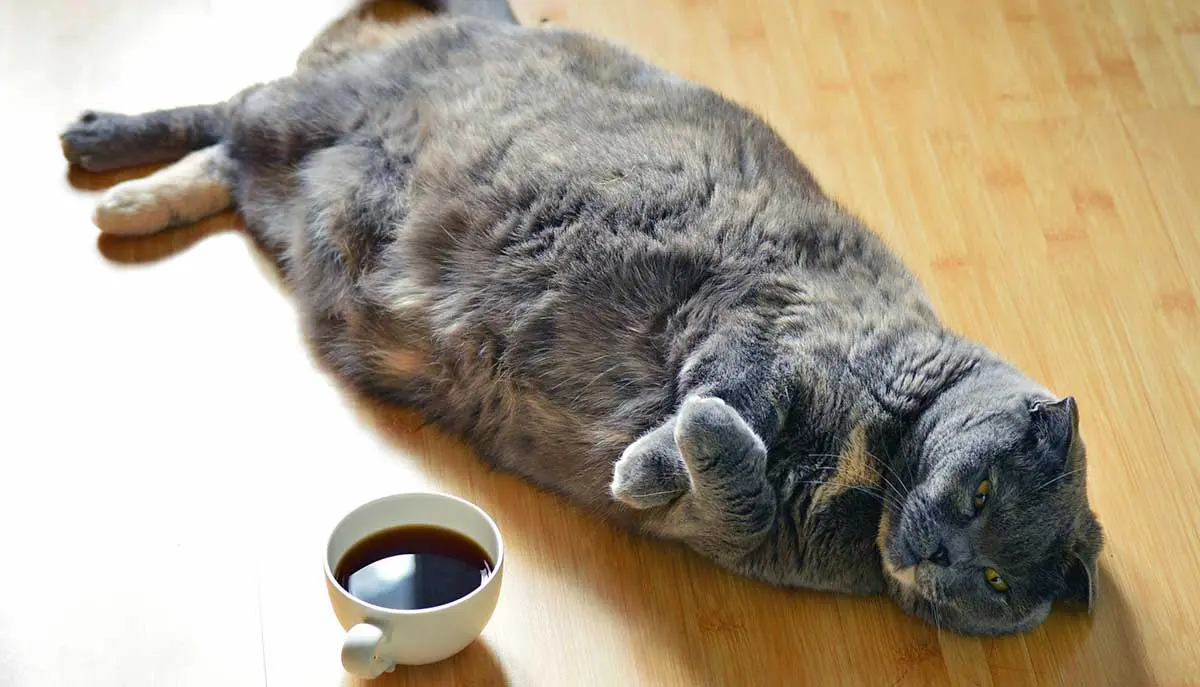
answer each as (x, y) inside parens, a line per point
(997, 526)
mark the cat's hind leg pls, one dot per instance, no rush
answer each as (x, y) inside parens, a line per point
(104, 141)
(185, 192)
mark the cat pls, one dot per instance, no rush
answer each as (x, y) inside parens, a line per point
(628, 289)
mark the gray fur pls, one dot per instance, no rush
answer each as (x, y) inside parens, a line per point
(629, 290)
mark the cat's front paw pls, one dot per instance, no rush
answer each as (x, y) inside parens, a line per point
(650, 471)
(709, 429)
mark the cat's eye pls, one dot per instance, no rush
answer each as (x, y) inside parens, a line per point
(981, 494)
(993, 578)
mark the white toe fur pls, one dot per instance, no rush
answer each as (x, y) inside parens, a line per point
(187, 191)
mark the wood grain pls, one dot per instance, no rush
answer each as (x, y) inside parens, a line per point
(172, 456)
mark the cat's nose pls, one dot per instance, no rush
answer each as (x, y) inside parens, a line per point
(940, 557)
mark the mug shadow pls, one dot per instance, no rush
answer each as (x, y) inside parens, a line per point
(477, 665)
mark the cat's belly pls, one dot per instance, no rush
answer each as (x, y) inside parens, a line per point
(534, 356)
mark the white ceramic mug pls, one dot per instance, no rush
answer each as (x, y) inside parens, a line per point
(377, 638)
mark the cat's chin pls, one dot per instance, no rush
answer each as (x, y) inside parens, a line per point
(904, 581)
(902, 575)
(906, 577)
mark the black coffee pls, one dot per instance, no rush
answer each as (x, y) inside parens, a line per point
(412, 567)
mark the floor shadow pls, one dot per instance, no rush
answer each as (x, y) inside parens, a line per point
(477, 665)
(83, 180)
(1104, 646)
(137, 250)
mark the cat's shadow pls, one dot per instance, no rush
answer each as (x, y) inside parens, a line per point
(160, 246)
(84, 180)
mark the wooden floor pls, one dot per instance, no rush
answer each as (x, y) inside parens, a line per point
(171, 458)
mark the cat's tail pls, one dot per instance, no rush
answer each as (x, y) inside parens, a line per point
(496, 10)
(372, 24)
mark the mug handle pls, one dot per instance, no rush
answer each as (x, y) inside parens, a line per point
(359, 652)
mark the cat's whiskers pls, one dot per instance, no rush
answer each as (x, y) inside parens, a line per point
(882, 497)
(937, 616)
(654, 493)
(895, 473)
(1063, 476)
(901, 493)
(888, 498)
(894, 492)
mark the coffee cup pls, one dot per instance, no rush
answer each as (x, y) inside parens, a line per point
(400, 613)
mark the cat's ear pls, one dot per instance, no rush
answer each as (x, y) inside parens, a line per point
(1056, 425)
(1082, 576)
(1082, 581)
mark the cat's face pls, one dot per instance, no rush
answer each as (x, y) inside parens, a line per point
(997, 526)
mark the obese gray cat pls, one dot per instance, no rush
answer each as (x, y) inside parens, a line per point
(629, 290)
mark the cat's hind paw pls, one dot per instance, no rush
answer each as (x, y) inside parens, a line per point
(185, 192)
